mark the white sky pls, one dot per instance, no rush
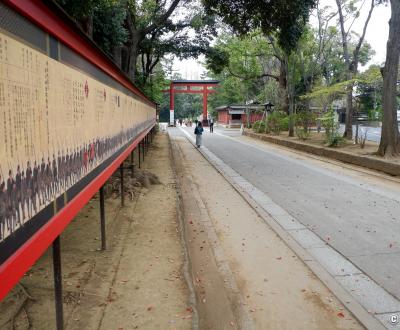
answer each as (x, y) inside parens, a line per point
(377, 34)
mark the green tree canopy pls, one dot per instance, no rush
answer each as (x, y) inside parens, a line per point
(286, 18)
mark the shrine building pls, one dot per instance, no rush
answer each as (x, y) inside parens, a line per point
(235, 115)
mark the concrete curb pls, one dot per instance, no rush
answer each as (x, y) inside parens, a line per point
(364, 161)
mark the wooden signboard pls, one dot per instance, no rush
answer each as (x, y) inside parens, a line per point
(63, 129)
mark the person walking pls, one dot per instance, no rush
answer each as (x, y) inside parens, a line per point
(198, 131)
(211, 125)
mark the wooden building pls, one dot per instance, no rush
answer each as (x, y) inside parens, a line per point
(236, 115)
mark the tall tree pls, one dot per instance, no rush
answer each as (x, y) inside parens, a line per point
(156, 28)
(244, 65)
(81, 12)
(390, 139)
(139, 34)
(345, 10)
(285, 19)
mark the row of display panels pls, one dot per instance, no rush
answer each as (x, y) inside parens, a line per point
(60, 128)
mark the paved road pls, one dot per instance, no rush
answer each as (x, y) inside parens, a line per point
(373, 133)
(356, 218)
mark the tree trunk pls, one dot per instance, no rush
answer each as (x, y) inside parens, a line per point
(290, 92)
(86, 24)
(117, 56)
(390, 142)
(132, 68)
(351, 65)
(132, 54)
(348, 132)
(282, 91)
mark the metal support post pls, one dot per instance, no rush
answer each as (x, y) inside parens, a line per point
(102, 219)
(143, 149)
(58, 283)
(132, 163)
(121, 170)
(139, 153)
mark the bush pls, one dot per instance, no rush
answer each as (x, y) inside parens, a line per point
(259, 126)
(332, 136)
(302, 122)
(284, 123)
(302, 133)
(256, 125)
(277, 122)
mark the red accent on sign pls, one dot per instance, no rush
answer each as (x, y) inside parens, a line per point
(16, 266)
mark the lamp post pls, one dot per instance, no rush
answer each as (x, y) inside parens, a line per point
(268, 106)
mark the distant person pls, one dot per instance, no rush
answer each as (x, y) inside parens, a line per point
(211, 125)
(180, 121)
(198, 131)
(190, 123)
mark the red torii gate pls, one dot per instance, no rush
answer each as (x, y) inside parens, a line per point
(186, 86)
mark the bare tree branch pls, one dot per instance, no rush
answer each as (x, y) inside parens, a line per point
(161, 19)
(269, 75)
(355, 17)
(356, 51)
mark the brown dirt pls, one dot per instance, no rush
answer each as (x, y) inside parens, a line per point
(137, 283)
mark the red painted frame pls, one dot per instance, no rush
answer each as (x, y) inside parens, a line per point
(37, 12)
(16, 266)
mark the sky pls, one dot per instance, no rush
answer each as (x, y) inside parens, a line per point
(377, 34)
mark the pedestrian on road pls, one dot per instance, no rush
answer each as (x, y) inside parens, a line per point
(211, 125)
(198, 131)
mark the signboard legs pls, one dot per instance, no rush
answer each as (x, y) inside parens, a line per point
(102, 219)
(58, 283)
(121, 170)
(143, 149)
(132, 163)
(139, 153)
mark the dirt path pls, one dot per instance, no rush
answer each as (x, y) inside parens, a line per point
(261, 281)
(137, 283)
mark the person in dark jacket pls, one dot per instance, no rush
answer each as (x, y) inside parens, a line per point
(211, 125)
(199, 132)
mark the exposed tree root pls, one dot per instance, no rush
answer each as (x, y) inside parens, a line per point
(132, 185)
